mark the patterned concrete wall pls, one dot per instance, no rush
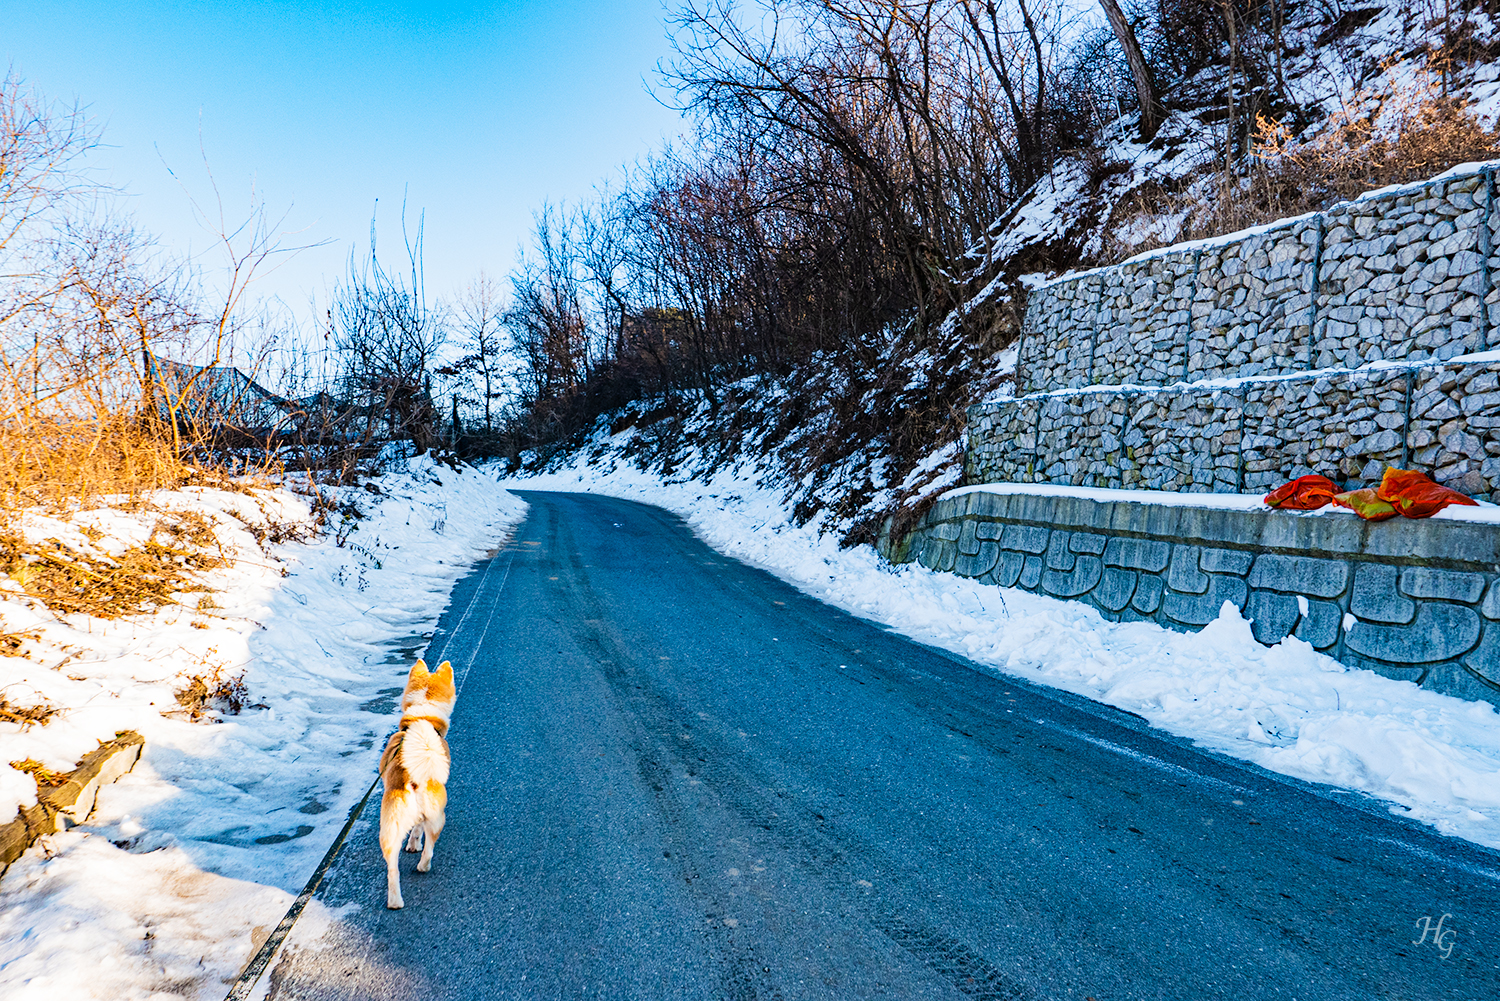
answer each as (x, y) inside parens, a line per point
(1441, 417)
(1403, 275)
(1422, 599)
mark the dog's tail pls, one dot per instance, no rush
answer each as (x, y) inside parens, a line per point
(422, 754)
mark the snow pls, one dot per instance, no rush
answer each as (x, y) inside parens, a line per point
(1232, 502)
(1235, 382)
(1223, 239)
(1106, 217)
(1287, 708)
(192, 858)
(194, 855)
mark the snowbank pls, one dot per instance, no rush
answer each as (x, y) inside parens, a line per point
(196, 853)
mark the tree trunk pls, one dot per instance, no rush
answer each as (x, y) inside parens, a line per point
(1145, 89)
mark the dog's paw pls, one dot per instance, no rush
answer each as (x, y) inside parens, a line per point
(395, 903)
(424, 866)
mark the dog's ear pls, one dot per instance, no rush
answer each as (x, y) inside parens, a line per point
(441, 686)
(418, 672)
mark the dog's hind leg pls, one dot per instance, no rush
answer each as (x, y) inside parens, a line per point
(395, 820)
(433, 825)
(414, 841)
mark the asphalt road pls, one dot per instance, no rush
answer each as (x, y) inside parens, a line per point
(675, 776)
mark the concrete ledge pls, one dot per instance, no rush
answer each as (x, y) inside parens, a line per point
(1456, 545)
(1416, 600)
(70, 803)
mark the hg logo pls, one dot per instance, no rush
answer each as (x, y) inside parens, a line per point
(1442, 939)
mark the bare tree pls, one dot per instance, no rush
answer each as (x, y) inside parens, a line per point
(1145, 86)
(547, 318)
(387, 336)
(479, 320)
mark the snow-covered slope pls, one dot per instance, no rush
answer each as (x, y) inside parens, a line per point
(194, 856)
(1099, 206)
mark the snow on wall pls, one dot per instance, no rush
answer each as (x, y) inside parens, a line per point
(1400, 274)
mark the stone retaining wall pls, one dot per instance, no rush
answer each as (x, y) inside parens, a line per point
(1441, 417)
(1421, 598)
(1404, 274)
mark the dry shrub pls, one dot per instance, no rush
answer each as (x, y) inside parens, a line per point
(45, 777)
(274, 531)
(141, 579)
(57, 464)
(189, 530)
(28, 716)
(14, 644)
(213, 692)
(1408, 133)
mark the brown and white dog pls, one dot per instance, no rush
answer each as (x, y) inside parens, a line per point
(415, 768)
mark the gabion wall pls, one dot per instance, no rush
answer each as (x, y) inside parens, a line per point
(1404, 275)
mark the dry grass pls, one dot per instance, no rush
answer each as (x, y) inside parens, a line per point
(213, 691)
(1408, 133)
(56, 465)
(14, 644)
(139, 580)
(27, 716)
(45, 777)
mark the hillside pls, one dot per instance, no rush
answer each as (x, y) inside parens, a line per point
(1285, 111)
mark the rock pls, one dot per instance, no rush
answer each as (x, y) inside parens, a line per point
(1025, 538)
(1148, 594)
(1116, 587)
(1201, 609)
(1232, 561)
(1082, 578)
(1448, 585)
(1300, 575)
(1439, 632)
(978, 564)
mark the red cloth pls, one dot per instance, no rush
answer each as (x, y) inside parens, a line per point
(1305, 493)
(1414, 495)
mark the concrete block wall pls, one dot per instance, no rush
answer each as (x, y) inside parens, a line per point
(1339, 343)
(1422, 598)
(1408, 274)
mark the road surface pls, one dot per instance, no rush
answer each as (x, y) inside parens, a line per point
(675, 776)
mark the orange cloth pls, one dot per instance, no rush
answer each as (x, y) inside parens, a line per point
(1365, 504)
(1305, 493)
(1414, 495)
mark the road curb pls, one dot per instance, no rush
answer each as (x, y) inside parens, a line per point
(257, 964)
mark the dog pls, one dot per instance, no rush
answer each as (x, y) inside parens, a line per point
(414, 767)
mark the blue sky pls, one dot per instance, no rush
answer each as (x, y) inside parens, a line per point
(477, 111)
